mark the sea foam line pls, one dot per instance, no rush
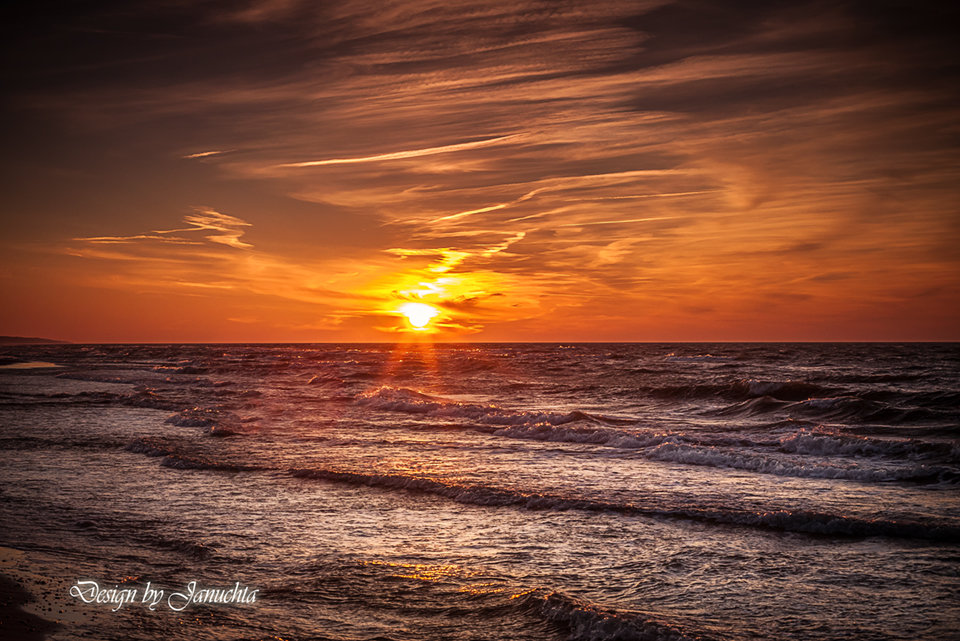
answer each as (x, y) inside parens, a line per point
(802, 521)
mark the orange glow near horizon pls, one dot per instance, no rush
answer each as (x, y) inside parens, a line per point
(614, 172)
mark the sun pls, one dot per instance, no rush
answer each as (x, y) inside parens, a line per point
(419, 314)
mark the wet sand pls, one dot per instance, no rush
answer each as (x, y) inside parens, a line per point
(15, 622)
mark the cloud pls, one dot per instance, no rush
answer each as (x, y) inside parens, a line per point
(619, 221)
(229, 227)
(203, 154)
(107, 240)
(229, 230)
(415, 153)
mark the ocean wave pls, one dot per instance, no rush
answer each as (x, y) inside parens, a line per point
(933, 399)
(481, 595)
(695, 448)
(141, 397)
(325, 379)
(800, 521)
(180, 461)
(593, 622)
(631, 439)
(191, 369)
(940, 431)
(766, 464)
(184, 462)
(753, 407)
(762, 455)
(146, 397)
(820, 442)
(394, 399)
(863, 410)
(220, 431)
(673, 357)
(217, 422)
(145, 446)
(782, 390)
(194, 417)
(831, 404)
(361, 376)
(58, 442)
(740, 390)
(93, 377)
(837, 408)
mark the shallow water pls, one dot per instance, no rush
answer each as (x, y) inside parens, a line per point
(493, 491)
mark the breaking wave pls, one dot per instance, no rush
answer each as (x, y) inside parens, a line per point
(592, 622)
(801, 521)
(740, 390)
(767, 464)
(180, 461)
(217, 422)
(759, 455)
(393, 399)
(821, 442)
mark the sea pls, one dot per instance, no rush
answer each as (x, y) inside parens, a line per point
(422, 491)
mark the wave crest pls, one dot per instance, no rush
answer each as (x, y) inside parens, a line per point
(802, 521)
(399, 399)
(593, 622)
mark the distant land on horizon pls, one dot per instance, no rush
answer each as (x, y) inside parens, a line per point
(29, 340)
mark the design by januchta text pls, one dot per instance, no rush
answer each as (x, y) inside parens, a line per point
(90, 591)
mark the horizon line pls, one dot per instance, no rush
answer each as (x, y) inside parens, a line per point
(55, 342)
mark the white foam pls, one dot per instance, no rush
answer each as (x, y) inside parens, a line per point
(822, 443)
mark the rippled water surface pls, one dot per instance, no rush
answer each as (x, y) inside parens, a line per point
(492, 491)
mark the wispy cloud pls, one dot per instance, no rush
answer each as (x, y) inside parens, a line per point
(204, 154)
(228, 230)
(619, 221)
(108, 240)
(414, 153)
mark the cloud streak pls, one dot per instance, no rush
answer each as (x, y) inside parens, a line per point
(228, 231)
(414, 153)
(203, 154)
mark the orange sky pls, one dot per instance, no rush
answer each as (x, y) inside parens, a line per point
(563, 171)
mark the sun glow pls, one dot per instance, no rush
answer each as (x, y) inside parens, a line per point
(419, 314)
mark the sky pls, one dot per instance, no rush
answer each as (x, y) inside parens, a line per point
(293, 170)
